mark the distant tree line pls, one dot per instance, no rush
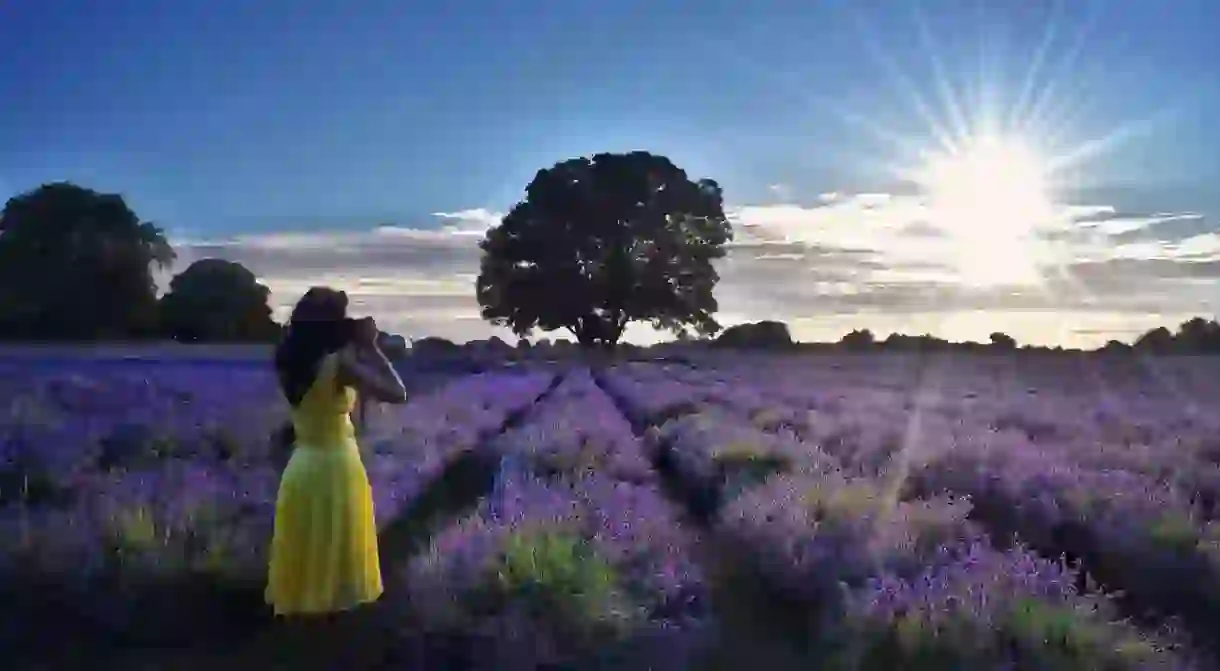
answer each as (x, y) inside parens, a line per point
(1194, 336)
(76, 265)
(597, 243)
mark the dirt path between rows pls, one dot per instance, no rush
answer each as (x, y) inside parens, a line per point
(756, 631)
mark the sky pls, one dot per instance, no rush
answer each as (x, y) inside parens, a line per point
(953, 167)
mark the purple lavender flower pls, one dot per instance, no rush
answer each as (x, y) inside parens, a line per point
(627, 528)
(577, 430)
(990, 610)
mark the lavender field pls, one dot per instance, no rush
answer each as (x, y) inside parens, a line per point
(1013, 511)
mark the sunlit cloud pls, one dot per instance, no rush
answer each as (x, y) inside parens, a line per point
(781, 191)
(872, 260)
(469, 222)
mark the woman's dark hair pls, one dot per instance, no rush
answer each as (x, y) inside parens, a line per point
(317, 327)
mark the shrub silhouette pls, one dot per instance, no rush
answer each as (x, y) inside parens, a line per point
(214, 300)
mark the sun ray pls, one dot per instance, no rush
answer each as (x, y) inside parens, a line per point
(1035, 66)
(1070, 115)
(1090, 149)
(940, 79)
(986, 90)
(904, 85)
(1034, 115)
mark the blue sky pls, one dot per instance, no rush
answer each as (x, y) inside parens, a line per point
(285, 134)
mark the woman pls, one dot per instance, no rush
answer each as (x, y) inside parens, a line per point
(324, 549)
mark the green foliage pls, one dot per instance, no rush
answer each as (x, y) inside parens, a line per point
(135, 532)
(587, 458)
(1032, 633)
(743, 466)
(770, 419)
(214, 300)
(202, 543)
(1061, 638)
(851, 500)
(559, 578)
(919, 644)
(1177, 532)
(603, 241)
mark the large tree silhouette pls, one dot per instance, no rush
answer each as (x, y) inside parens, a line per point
(600, 242)
(75, 264)
(215, 300)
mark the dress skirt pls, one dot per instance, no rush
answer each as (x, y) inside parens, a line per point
(324, 549)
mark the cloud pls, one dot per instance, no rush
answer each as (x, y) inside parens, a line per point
(848, 261)
(1135, 226)
(469, 222)
(418, 280)
(877, 258)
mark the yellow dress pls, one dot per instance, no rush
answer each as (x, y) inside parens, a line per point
(324, 549)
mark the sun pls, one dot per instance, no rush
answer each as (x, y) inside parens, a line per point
(989, 196)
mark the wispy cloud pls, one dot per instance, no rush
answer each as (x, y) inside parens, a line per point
(874, 260)
(781, 191)
(469, 222)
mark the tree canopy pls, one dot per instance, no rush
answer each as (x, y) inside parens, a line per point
(1002, 341)
(858, 340)
(1194, 336)
(767, 334)
(215, 300)
(600, 242)
(76, 264)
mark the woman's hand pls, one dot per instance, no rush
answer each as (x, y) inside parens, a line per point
(366, 333)
(366, 367)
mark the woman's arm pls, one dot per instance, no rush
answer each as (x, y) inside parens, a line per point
(368, 370)
(360, 415)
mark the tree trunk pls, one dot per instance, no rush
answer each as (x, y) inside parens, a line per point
(616, 333)
(612, 327)
(585, 336)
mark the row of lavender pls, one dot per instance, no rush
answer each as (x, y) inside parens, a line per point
(1131, 410)
(575, 553)
(1113, 463)
(408, 447)
(151, 476)
(884, 574)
